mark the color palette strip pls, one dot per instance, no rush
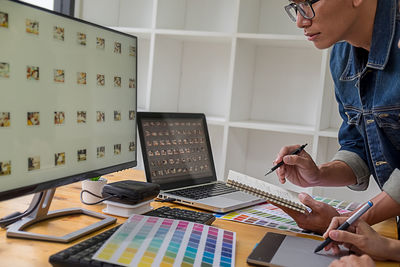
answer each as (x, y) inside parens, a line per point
(155, 244)
(192, 246)
(111, 247)
(173, 246)
(151, 241)
(268, 215)
(136, 242)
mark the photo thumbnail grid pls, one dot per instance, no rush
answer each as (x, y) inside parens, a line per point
(33, 72)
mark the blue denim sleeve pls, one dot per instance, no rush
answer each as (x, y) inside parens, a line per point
(352, 151)
(352, 147)
(350, 138)
(360, 169)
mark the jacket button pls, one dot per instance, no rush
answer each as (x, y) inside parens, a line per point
(383, 115)
(370, 121)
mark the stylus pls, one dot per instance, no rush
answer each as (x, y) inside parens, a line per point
(297, 151)
(346, 224)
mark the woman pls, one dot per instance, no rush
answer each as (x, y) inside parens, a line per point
(363, 240)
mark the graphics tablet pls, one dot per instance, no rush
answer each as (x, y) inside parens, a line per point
(282, 250)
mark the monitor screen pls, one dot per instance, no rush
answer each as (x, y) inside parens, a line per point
(67, 99)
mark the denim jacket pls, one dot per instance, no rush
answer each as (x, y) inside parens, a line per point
(367, 89)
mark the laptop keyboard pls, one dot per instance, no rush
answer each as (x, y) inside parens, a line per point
(204, 191)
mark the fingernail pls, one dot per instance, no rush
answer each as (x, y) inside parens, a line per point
(333, 234)
(302, 196)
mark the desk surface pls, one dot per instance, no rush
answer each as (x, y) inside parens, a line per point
(23, 252)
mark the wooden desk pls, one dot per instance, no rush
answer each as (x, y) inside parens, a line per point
(23, 252)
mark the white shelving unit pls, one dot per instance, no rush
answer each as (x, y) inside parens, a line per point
(245, 65)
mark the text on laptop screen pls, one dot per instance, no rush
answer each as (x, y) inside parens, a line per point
(176, 149)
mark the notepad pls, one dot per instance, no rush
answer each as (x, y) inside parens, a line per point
(265, 190)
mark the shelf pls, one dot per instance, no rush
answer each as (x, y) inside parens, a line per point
(140, 109)
(273, 126)
(282, 40)
(243, 63)
(196, 36)
(216, 120)
(140, 33)
(329, 132)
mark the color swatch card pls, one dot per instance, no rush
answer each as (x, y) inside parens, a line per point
(152, 241)
(268, 215)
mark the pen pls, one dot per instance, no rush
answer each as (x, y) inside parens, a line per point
(297, 151)
(346, 224)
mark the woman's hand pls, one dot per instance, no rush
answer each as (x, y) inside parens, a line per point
(353, 261)
(359, 238)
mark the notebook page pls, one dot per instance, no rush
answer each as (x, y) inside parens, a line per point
(260, 185)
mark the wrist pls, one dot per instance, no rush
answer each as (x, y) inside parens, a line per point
(321, 175)
(335, 173)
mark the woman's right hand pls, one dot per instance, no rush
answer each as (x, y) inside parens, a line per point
(360, 238)
(353, 261)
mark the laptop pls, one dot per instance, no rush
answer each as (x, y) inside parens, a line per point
(177, 155)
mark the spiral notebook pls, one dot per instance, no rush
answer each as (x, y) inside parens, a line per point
(267, 191)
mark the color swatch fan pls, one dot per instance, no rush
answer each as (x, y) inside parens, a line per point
(153, 241)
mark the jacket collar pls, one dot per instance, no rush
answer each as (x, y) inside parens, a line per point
(381, 43)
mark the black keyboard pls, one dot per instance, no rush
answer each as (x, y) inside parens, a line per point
(204, 191)
(182, 214)
(81, 253)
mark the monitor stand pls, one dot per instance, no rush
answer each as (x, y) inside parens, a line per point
(41, 212)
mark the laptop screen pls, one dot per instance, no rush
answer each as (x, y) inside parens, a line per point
(176, 149)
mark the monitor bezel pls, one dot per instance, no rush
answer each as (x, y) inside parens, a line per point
(175, 115)
(38, 187)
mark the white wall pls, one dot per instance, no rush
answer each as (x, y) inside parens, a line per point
(49, 4)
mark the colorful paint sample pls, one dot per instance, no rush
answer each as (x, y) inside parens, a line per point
(152, 241)
(268, 215)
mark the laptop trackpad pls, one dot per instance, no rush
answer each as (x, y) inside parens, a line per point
(239, 196)
(230, 199)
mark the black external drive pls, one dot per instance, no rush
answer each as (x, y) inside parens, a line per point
(130, 192)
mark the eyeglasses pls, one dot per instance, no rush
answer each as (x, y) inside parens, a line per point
(305, 9)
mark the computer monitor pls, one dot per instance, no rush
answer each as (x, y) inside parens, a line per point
(68, 94)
